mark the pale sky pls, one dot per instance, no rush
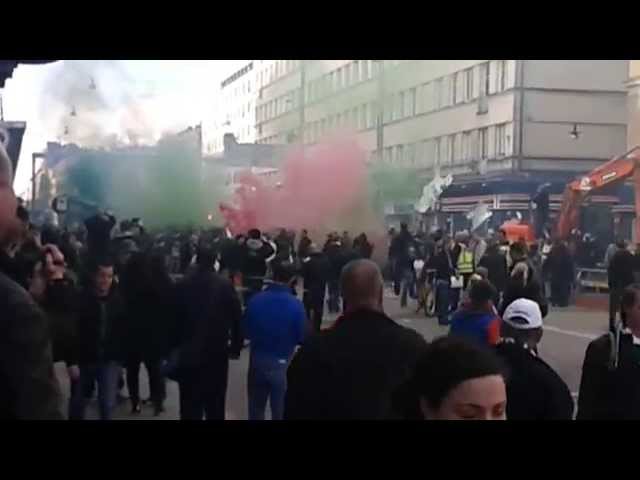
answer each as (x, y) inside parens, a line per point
(169, 95)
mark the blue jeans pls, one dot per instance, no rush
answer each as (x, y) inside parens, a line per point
(106, 375)
(443, 301)
(267, 379)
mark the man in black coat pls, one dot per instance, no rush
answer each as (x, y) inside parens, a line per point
(523, 282)
(208, 335)
(100, 342)
(315, 273)
(535, 391)
(352, 370)
(29, 389)
(496, 264)
(610, 383)
(620, 273)
(255, 253)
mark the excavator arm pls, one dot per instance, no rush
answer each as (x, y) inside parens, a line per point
(616, 170)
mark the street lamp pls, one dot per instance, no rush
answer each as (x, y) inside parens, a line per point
(380, 117)
(575, 133)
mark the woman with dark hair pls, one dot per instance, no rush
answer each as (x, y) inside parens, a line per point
(455, 380)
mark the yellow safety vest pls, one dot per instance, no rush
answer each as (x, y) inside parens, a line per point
(465, 262)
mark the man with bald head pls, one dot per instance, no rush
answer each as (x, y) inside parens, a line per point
(352, 370)
(28, 386)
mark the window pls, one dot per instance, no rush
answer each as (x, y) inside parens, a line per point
(355, 71)
(400, 105)
(323, 126)
(330, 84)
(399, 157)
(363, 117)
(338, 79)
(439, 151)
(455, 96)
(451, 149)
(410, 103)
(502, 75)
(468, 83)
(387, 155)
(501, 140)
(365, 71)
(438, 94)
(466, 146)
(388, 113)
(411, 154)
(484, 143)
(373, 115)
(354, 118)
(484, 79)
(338, 120)
(347, 75)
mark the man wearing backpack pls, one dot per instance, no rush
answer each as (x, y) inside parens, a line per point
(610, 384)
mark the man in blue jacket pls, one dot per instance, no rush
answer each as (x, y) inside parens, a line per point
(274, 323)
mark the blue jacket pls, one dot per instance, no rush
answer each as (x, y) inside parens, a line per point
(482, 327)
(274, 322)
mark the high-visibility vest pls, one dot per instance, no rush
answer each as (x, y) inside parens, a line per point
(465, 262)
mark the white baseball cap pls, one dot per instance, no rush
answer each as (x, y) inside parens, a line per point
(523, 314)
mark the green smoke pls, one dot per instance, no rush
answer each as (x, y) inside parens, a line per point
(163, 184)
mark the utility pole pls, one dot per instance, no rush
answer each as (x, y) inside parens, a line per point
(34, 157)
(380, 117)
(303, 75)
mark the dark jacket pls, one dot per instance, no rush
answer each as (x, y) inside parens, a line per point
(534, 390)
(316, 270)
(621, 270)
(59, 305)
(29, 389)
(610, 394)
(400, 246)
(254, 257)
(532, 290)
(559, 266)
(496, 265)
(303, 247)
(209, 320)
(441, 262)
(351, 370)
(97, 341)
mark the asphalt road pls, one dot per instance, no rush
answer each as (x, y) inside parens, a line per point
(567, 334)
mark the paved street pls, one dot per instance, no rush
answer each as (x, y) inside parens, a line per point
(567, 333)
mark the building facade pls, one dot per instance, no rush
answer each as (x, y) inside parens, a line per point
(235, 110)
(633, 138)
(518, 121)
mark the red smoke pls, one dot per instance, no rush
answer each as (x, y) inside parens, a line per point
(318, 186)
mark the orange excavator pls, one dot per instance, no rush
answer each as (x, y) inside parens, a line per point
(617, 170)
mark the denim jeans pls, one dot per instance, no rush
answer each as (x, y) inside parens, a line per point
(267, 379)
(443, 299)
(106, 376)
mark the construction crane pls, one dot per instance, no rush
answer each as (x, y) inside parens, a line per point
(615, 171)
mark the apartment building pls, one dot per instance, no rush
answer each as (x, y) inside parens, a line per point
(235, 110)
(633, 85)
(518, 121)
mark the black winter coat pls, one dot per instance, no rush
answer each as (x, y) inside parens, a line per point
(316, 270)
(29, 389)
(352, 370)
(610, 394)
(534, 390)
(209, 314)
(621, 270)
(93, 346)
(496, 265)
(532, 290)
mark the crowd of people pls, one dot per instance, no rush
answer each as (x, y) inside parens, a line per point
(109, 297)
